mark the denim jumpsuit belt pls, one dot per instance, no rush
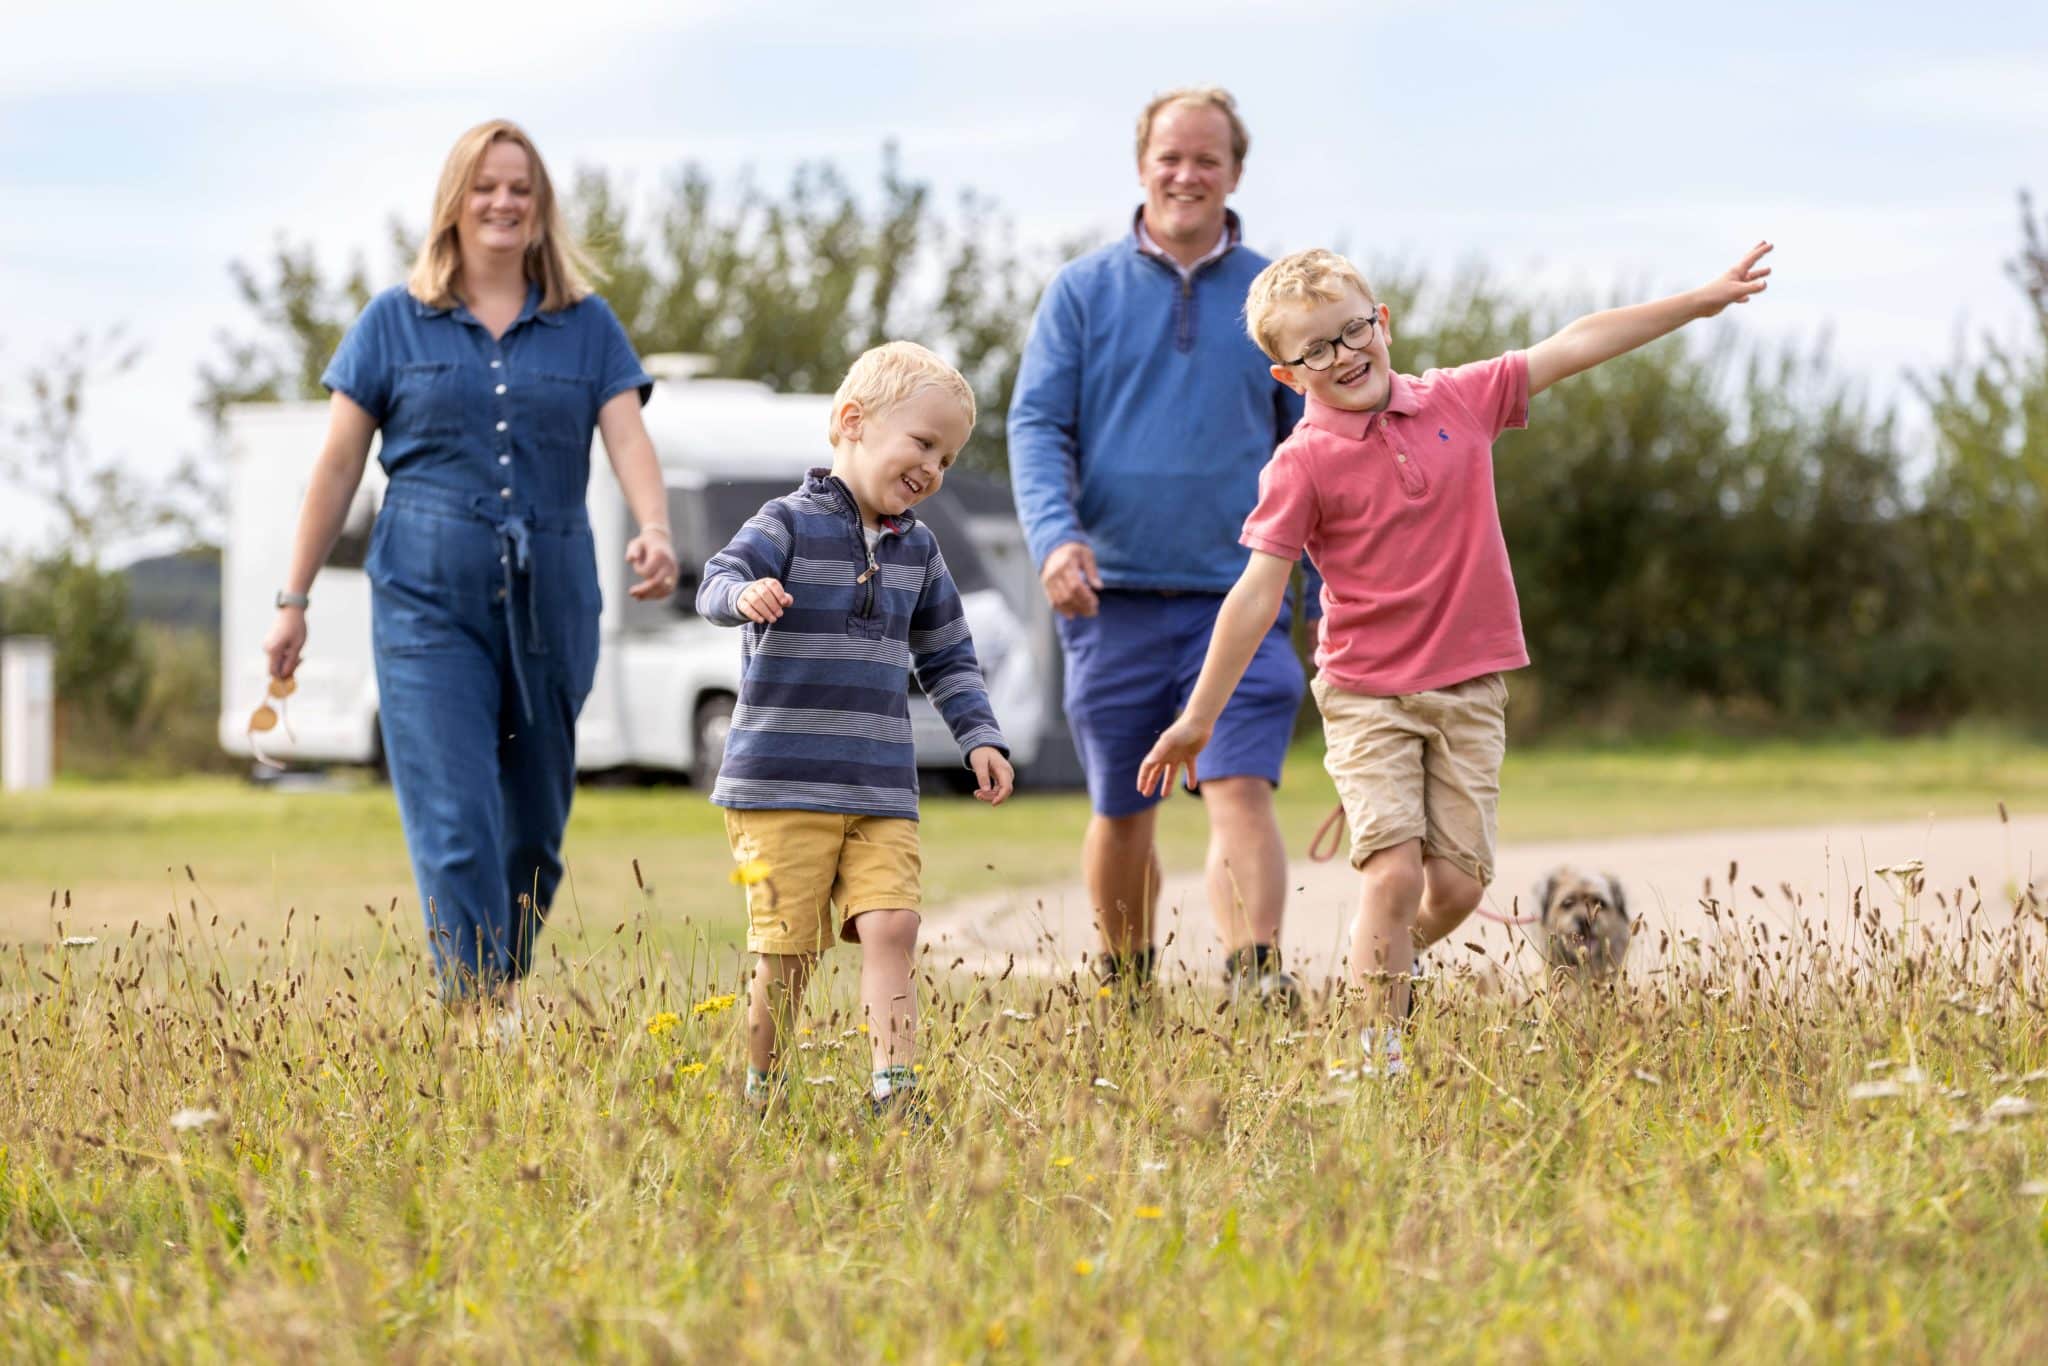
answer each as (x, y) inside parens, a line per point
(485, 619)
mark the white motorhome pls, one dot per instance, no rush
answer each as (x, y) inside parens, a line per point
(666, 679)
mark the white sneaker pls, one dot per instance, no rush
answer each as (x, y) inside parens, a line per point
(508, 1026)
(1389, 1060)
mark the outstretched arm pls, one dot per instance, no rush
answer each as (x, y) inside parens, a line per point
(1247, 614)
(1598, 337)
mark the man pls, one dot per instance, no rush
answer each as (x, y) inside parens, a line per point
(1142, 417)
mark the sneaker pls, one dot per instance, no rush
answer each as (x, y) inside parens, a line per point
(1389, 1060)
(903, 1109)
(1255, 977)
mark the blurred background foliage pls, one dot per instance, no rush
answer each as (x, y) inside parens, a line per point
(1709, 535)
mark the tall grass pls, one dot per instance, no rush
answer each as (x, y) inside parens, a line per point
(262, 1144)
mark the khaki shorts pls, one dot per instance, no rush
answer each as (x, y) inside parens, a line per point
(1421, 766)
(818, 862)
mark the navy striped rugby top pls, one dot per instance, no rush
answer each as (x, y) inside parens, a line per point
(823, 721)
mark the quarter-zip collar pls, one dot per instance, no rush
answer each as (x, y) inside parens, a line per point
(829, 488)
(1141, 241)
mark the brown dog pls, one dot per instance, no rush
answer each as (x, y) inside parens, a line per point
(1585, 922)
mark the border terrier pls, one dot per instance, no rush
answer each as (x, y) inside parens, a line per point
(1585, 922)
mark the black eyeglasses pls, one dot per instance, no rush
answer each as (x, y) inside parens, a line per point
(1357, 335)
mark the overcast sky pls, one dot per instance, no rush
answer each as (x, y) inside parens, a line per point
(1570, 146)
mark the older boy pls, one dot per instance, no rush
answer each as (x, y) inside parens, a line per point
(843, 593)
(1388, 485)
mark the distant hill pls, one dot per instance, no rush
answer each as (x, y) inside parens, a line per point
(181, 590)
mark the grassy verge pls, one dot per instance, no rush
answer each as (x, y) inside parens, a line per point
(121, 851)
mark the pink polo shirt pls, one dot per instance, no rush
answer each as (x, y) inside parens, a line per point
(1396, 509)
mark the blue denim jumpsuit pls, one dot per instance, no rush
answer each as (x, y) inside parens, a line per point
(484, 598)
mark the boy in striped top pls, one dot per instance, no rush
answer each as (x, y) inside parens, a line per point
(843, 593)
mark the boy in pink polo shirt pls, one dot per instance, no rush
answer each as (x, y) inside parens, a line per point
(1388, 485)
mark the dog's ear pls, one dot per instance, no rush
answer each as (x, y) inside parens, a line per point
(1615, 896)
(1543, 890)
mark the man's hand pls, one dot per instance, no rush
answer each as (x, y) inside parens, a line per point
(652, 557)
(993, 776)
(1175, 749)
(763, 600)
(1735, 285)
(1070, 580)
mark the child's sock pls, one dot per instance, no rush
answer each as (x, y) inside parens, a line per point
(759, 1084)
(890, 1080)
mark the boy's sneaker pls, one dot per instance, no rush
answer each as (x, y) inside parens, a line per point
(1255, 977)
(901, 1109)
(1389, 1061)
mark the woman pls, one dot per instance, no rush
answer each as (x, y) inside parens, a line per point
(485, 373)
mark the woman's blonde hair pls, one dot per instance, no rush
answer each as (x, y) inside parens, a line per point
(554, 259)
(1294, 282)
(885, 375)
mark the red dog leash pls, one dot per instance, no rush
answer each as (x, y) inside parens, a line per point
(1333, 828)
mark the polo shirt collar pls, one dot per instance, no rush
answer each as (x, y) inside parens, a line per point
(529, 312)
(1141, 240)
(1346, 422)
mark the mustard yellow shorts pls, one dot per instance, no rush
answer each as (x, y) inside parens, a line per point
(801, 866)
(1420, 766)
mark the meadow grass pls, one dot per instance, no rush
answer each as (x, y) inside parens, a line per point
(240, 1127)
(1766, 1148)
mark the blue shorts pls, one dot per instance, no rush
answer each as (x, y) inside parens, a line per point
(1129, 671)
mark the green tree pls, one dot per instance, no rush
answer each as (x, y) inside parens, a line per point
(1987, 497)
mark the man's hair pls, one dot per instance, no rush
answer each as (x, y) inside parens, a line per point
(885, 375)
(1304, 278)
(1207, 96)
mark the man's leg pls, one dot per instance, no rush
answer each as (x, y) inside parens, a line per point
(1247, 867)
(1120, 864)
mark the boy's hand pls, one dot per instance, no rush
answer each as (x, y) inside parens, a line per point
(763, 601)
(1176, 748)
(993, 776)
(1735, 285)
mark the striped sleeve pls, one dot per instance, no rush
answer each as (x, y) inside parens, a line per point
(760, 550)
(942, 654)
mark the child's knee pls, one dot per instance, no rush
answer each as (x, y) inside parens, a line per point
(1394, 875)
(886, 931)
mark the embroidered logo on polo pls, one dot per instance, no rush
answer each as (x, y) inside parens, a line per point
(1442, 435)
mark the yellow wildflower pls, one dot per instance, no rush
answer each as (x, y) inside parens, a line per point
(1103, 991)
(690, 1069)
(1063, 1162)
(1083, 1267)
(1149, 1212)
(997, 1335)
(752, 871)
(714, 1005)
(662, 1023)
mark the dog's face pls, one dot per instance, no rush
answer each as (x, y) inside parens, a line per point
(1585, 920)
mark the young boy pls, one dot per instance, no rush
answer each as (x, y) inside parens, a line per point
(1388, 485)
(843, 593)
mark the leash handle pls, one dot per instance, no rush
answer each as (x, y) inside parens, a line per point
(1332, 826)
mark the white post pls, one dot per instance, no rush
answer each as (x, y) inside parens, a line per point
(28, 712)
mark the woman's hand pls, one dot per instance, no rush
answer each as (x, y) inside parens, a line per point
(993, 776)
(652, 557)
(286, 641)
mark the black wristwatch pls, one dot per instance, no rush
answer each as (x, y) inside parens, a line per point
(298, 600)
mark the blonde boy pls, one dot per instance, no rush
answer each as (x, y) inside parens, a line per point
(1387, 484)
(843, 593)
